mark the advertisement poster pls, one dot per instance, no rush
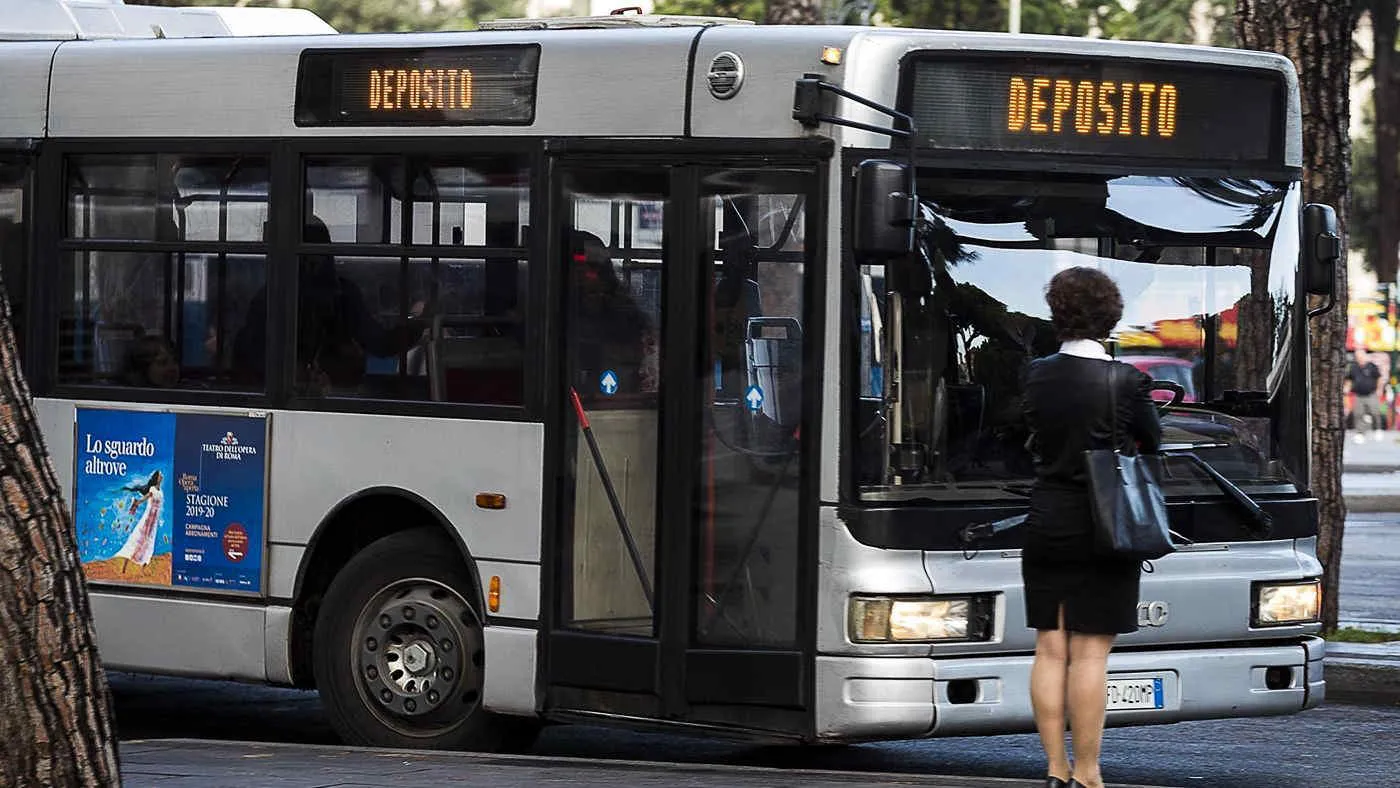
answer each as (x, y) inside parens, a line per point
(171, 499)
(123, 495)
(219, 463)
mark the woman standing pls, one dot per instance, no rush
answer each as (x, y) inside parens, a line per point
(1076, 599)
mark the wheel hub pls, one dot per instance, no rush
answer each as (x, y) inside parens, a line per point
(413, 645)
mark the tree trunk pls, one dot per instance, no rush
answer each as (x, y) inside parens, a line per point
(1316, 36)
(1387, 107)
(55, 710)
(793, 12)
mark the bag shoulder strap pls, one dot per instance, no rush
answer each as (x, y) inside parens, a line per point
(1109, 372)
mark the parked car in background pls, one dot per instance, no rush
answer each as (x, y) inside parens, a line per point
(1168, 368)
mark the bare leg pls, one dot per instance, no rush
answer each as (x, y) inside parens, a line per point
(1088, 678)
(1048, 682)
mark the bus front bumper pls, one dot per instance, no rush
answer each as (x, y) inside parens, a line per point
(863, 698)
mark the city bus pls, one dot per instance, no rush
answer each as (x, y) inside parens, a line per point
(652, 371)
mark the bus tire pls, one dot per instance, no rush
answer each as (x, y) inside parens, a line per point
(398, 651)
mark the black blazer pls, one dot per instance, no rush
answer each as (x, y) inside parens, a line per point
(1066, 405)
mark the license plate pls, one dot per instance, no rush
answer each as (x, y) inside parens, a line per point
(1134, 694)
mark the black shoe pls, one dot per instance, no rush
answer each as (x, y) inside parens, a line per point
(1055, 782)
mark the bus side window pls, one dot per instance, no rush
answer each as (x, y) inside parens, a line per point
(137, 314)
(443, 325)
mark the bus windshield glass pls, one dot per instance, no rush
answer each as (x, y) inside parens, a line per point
(1207, 268)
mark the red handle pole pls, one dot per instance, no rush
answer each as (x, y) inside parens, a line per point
(578, 408)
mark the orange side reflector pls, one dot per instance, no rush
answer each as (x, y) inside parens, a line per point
(831, 56)
(491, 500)
(493, 594)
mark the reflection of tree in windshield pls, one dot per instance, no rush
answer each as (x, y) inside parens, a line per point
(971, 359)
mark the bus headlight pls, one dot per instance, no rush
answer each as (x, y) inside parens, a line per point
(1279, 604)
(877, 619)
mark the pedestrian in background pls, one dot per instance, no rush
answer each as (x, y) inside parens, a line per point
(1363, 382)
(1077, 599)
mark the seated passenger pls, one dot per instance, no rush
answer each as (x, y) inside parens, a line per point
(150, 362)
(335, 329)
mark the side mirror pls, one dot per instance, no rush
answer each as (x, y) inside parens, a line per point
(884, 211)
(1322, 248)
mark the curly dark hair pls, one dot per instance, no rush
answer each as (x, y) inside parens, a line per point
(1084, 303)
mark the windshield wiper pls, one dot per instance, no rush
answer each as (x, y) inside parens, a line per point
(976, 532)
(1259, 523)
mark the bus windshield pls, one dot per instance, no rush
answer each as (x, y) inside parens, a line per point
(1207, 268)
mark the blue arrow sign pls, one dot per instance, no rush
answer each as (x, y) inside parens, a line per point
(607, 382)
(754, 398)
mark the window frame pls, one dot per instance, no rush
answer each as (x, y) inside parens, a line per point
(56, 174)
(23, 157)
(530, 154)
(281, 246)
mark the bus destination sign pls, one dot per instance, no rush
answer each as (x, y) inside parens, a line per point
(442, 86)
(1112, 109)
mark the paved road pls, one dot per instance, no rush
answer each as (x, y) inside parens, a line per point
(1371, 568)
(1336, 746)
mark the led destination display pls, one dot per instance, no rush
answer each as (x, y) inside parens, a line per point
(444, 86)
(1098, 108)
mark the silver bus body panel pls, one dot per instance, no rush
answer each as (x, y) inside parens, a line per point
(873, 697)
(181, 636)
(774, 58)
(23, 112)
(1202, 594)
(242, 88)
(330, 458)
(883, 698)
(850, 567)
(283, 569)
(277, 644)
(510, 686)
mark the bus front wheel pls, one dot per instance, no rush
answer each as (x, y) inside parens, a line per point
(398, 651)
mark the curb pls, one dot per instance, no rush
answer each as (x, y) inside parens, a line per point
(1372, 503)
(1364, 673)
(1368, 682)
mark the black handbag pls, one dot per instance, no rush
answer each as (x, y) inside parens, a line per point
(1130, 513)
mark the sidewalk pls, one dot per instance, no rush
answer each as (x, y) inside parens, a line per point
(191, 763)
(1371, 473)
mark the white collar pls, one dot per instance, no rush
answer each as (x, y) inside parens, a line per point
(1084, 348)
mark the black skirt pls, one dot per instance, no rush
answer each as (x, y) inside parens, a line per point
(1059, 568)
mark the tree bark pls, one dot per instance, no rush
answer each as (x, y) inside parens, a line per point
(55, 709)
(793, 12)
(1387, 130)
(1316, 36)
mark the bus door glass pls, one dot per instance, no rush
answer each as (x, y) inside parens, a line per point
(612, 333)
(747, 494)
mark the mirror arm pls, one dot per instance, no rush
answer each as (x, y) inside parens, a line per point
(806, 109)
(1326, 306)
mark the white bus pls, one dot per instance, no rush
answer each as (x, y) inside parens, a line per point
(651, 371)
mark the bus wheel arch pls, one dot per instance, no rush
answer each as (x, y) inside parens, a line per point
(348, 529)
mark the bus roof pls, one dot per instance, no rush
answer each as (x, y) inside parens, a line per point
(57, 20)
(634, 80)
